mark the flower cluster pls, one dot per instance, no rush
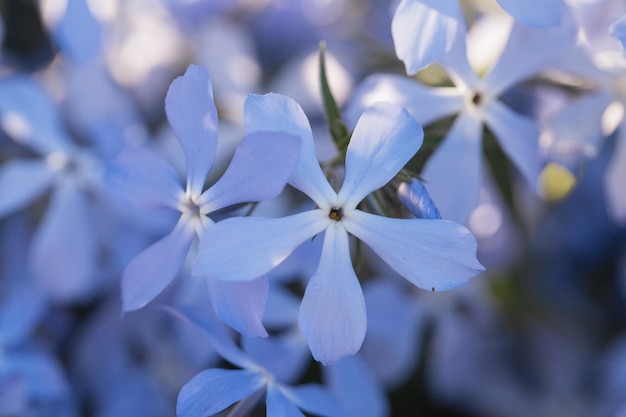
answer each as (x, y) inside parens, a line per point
(205, 212)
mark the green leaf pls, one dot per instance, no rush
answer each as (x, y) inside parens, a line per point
(338, 130)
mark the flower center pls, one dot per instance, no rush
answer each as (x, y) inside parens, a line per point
(336, 214)
(477, 98)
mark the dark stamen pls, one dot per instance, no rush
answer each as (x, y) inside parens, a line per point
(336, 213)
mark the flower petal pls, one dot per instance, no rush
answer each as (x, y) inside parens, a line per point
(64, 252)
(278, 405)
(21, 181)
(453, 172)
(212, 390)
(415, 197)
(332, 312)
(434, 255)
(423, 30)
(29, 115)
(424, 103)
(614, 180)
(537, 13)
(274, 112)
(155, 267)
(192, 114)
(144, 179)
(357, 388)
(259, 170)
(244, 248)
(618, 30)
(528, 51)
(314, 399)
(518, 136)
(383, 141)
(240, 304)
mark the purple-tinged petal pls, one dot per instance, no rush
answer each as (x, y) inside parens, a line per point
(244, 248)
(618, 30)
(65, 250)
(457, 65)
(537, 13)
(30, 117)
(259, 170)
(415, 197)
(215, 331)
(314, 399)
(144, 179)
(357, 388)
(392, 345)
(213, 390)
(385, 138)
(77, 19)
(21, 309)
(614, 180)
(453, 173)
(425, 104)
(240, 304)
(332, 312)
(518, 136)
(434, 255)
(45, 380)
(285, 356)
(155, 267)
(528, 51)
(274, 112)
(192, 114)
(22, 181)
(278, 405)
(423, 30)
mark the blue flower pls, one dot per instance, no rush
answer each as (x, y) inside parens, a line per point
(424, 30)
(453, 173)
(433, 254)
(259, 170)
(268, 366)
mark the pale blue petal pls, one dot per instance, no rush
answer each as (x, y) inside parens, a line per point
(453, 173)
(77, 19)
(385, 138)
(155, 267)
(314, 399)
(65, 249)
(274, 112)
(22, 181)
(278, 405)
(618, 30)
(392, 345)
(537, 13)
(425, 104)
(434, 255)
(244, 248)
(213, 390)
(259, 170)
(518, 136)
(282, 307)
(192, 114)
(44, 376)
(144, 179)
(216, 334)
(21, 309)
(423, 30)
(415, 197)
(29, 116)
(240, 304)
(614, 180)
(457, 65)
(285, 357)
(528, 51)
(357, 388)
(332, 312)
